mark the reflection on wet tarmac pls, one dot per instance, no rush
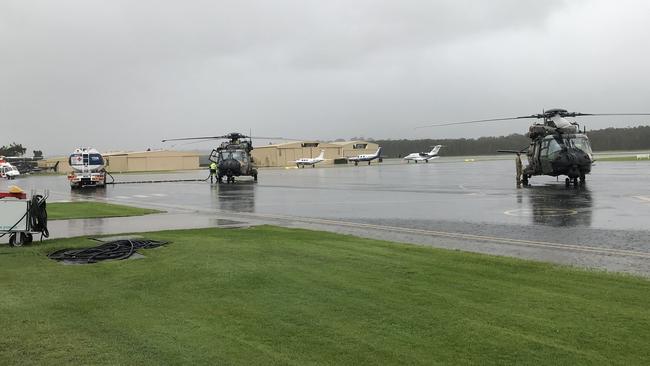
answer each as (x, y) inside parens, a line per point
(238, 197)
(480, 193)
(556, 205)
(88, 193)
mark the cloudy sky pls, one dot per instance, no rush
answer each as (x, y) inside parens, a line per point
(124, 74)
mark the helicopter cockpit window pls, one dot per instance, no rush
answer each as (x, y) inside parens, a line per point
(237, 155)
(582, 144)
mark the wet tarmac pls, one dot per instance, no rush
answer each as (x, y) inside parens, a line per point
(450, 203)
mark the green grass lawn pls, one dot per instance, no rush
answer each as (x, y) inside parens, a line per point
(88, 210)
(271, 295)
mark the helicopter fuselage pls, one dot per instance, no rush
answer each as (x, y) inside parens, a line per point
(560, 154)
(233, 160)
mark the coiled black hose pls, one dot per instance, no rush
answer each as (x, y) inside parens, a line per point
(114, 250)
(38, 215)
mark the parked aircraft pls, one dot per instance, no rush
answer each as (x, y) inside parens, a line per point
(7, 170)
(310, 161)
(366, 157)
(423, 156)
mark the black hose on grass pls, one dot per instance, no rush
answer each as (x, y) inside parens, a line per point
(114, 250)
(38, 216)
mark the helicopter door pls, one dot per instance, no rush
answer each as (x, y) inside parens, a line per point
(544, 158)
(534, 162)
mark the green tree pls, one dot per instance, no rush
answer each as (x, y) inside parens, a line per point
(13, 150)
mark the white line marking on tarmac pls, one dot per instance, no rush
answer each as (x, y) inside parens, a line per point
(159, 194)
(140, 196)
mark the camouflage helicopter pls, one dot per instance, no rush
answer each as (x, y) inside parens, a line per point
(557, 146)
(233, 157)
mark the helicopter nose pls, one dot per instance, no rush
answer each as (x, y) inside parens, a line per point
(230, 167)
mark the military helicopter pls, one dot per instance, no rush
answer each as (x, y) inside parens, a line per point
(557, 147)
(233, 157)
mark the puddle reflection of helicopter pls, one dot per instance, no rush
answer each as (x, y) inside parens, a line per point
(235, 197)
(557, 147)
(552, 205)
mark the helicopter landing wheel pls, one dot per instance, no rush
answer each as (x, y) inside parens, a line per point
(583, 180)
(254, 175)
(524, 180)
(567, 182)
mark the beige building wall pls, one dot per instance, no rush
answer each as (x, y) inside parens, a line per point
(136, 161)
(355, 148)
(117, 163)
(51, 163)
(284, 154)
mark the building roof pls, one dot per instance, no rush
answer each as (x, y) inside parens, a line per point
(152, 152)
(341, 143)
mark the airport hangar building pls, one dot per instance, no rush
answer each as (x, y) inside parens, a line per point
(144, 161)
(278, 155)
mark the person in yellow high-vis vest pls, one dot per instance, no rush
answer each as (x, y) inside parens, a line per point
(213, 171)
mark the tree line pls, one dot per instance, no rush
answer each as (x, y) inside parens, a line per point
(15, 149)
(629, 138)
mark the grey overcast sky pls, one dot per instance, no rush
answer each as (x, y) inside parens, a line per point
(124, 74)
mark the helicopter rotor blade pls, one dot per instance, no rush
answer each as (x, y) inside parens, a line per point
(479, 121)
(275, 138)
(577, 114)
(196, 138)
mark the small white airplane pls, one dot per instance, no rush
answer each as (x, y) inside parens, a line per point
(423, 156)
(365, 157)
(310, 161)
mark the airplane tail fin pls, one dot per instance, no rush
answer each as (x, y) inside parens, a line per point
(378, 153)
(322, 155)
(435, 150)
